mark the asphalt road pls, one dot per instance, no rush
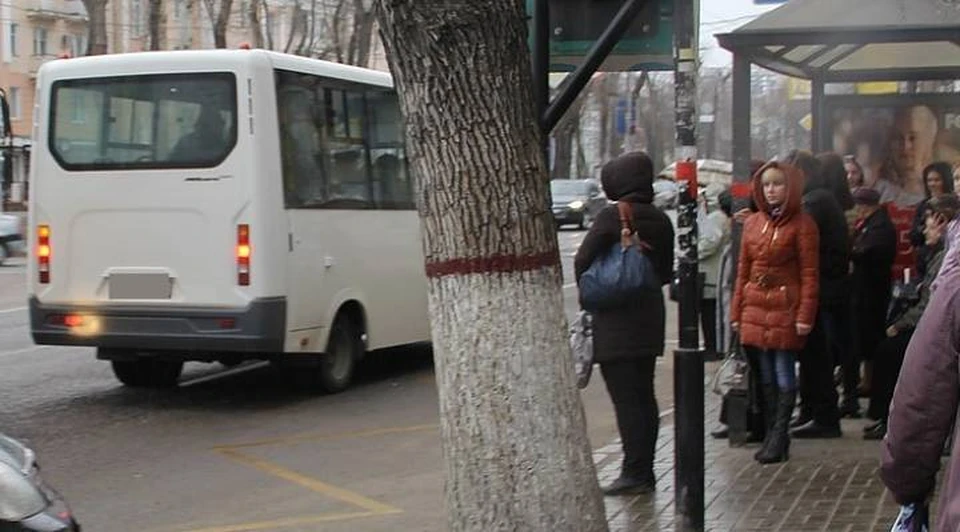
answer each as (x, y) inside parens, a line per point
(240, 449)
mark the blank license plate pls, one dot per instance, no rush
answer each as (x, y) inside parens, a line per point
(140, 286)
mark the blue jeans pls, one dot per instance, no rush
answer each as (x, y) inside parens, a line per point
(778, 367)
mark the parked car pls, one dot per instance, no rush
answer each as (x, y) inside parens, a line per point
(27, 503)
(576, 201)
(11, 236)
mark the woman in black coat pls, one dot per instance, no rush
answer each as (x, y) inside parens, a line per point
(627, 340)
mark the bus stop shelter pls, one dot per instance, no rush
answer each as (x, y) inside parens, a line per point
(840, 41)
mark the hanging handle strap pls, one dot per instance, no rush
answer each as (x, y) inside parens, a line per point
(628, 235)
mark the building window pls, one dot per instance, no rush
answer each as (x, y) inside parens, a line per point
(40, 41)
(136, 13)
(14, 101)
(14, 37)
(177, 9)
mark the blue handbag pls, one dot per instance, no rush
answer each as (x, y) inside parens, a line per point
(620, 274)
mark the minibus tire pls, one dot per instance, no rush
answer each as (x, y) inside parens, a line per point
(338, 363)
(147, 373)
(4, 252)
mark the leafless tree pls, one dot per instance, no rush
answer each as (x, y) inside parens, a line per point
(97, 33)
(219, 12)
(156, 25)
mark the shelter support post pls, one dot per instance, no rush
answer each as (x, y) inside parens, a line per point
(737, 405)
(816, 111)
(541, 68)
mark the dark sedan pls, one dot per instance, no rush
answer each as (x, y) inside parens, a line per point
(576, 201)
(27, 503)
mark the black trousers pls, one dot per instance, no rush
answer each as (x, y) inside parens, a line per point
(886, 371)
(630, 385)
(818, 394)
(708, 322)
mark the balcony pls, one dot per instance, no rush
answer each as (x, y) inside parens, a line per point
(52, 10)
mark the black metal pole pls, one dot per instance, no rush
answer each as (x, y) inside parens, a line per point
(541, 68)
(595, 57)
(688, 374)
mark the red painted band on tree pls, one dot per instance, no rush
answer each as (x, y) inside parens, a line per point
(493, 264)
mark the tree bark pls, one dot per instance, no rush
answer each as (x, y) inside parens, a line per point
(97, 32)
(157, 24)
(512, 425)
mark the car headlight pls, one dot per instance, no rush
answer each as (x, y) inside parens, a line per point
(575, 205)
(19, 498)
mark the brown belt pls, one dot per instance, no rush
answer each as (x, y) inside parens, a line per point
(766, 280)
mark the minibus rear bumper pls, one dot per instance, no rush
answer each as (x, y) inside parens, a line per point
(258, 327)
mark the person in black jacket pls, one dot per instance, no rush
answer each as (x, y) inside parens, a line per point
(819, 414)
(874, 250)
(627, 340)
(839, 332)
(937, 181)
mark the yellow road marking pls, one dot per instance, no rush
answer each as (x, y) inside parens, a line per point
(310, 483)
(287, 440)
(284, 523)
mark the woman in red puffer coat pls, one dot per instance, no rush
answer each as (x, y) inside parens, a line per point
(775, 298)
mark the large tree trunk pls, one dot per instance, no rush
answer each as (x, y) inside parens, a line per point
(512, 425)
(97, 33)
(157, 22)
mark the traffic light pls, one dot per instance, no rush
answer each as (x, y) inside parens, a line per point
(586, 20)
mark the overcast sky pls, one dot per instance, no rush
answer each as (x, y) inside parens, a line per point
(721, 16)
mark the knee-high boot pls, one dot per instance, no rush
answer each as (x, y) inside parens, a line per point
(778, 446)
(770, 396)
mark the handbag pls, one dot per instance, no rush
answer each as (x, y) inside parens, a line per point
(734, 372)
(581, 345)
(620, 274)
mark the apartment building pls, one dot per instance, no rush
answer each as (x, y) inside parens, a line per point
(35, 31)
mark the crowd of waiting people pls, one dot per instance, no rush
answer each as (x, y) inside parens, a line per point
(811, 283)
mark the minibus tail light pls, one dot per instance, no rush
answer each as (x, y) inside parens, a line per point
(243, 255)
(43, 253)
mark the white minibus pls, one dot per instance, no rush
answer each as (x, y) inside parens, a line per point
(222, 205)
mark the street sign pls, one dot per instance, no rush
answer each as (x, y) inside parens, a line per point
(576, 24)
(806, 122)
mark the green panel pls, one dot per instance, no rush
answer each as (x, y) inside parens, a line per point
(650, 52)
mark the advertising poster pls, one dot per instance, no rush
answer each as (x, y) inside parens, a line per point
(893, 138)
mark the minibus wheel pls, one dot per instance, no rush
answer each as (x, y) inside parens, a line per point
(344, 348)
(4, 253)
(147, 372)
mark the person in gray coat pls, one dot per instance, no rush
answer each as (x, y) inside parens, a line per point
(628, 340)
(924, 405)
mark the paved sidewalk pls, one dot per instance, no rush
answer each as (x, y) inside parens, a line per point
(827, 485)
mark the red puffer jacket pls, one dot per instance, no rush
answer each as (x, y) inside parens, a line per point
(777, 274)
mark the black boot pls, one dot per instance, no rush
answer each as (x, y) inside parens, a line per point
(770, 396)
(777, 448)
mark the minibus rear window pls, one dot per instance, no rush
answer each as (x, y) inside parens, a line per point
(183, 120)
